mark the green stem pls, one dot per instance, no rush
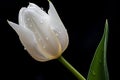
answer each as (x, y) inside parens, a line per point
(71, 68)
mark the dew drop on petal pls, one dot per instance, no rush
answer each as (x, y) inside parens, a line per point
(41, 8)
(25, 49)
(55, 31)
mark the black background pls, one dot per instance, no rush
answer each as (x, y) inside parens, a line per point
(84, 21)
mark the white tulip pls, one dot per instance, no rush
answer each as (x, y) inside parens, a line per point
(43, 35)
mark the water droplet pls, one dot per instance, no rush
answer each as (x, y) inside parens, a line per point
(25, 49)
(41, 8)
(47, 38)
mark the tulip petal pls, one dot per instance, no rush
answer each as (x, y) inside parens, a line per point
(39, 25)
(43, 35)
(33, 7)
(58, 27)
(37, 9)
(53, 13)
(28, 40)
(21, 22)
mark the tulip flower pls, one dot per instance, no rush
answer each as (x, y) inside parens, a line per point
(43, 35)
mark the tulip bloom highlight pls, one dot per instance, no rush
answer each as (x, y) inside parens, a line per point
(43, 35)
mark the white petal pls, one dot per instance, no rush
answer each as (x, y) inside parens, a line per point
(58, 26)
(55, 23)
(32, 7)
(28, 40)
(53, 13)
(37, 9)
(20, 18)
(40, 26)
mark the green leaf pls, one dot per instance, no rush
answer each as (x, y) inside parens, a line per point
(98, 68)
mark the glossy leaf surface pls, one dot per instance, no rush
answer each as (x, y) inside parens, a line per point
(98, 68)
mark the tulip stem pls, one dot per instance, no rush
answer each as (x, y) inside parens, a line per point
(71, 68)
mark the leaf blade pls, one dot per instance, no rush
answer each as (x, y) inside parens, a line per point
(98, 68)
